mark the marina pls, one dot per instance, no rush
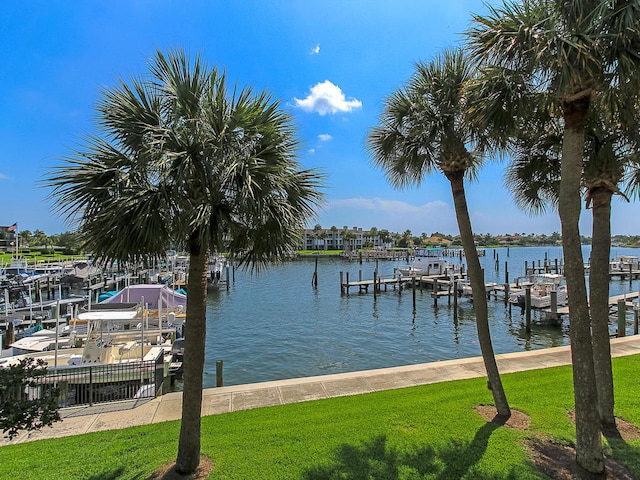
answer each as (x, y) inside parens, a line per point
(292, 320)
(278, 325)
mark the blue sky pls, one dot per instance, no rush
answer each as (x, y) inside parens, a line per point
(331, 63)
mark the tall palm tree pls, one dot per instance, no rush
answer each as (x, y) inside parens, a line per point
(180, 159)
(574, 52)
(425, 128)
(534, 177)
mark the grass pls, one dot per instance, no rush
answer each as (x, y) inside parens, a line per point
(33, 257)
(427, 432)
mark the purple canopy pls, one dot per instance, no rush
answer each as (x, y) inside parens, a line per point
(151, 294)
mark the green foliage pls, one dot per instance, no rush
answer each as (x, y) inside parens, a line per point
(17, 410)
(426, 432)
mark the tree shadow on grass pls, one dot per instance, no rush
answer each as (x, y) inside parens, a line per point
(375, 460)
(112, 475)
(622, 451)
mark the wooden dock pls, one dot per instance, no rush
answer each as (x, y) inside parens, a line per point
(432, 282)
(612, 301)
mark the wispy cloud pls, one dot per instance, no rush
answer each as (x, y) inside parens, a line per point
(3, 176)
(315, 50)
(394, 215)
(324, 137)
(327, 98)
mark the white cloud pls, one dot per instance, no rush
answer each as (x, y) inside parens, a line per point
(3, 176)
(312, 151)
(324, 137)
(325, 97)
(315, 50)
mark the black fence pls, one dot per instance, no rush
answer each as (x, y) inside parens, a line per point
(86, 385)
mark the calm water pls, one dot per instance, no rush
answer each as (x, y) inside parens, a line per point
(277, 325)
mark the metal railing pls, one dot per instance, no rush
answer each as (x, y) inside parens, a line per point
(90, 384)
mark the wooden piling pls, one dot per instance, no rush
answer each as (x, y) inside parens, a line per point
(622, 317)
(455, 297)
(413, 284)
(219, 379)
(314, 279)
(527, 308)
(375, 289)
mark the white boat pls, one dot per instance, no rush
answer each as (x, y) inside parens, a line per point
(465, 287)
(623, 264)
(158, 299)
(427, 261)
(541, 287)
(116, 362)
(216, 272)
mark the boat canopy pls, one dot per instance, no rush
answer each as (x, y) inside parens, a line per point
(151, 293)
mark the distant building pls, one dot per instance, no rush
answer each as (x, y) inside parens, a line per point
(8, 237)
(344, 238)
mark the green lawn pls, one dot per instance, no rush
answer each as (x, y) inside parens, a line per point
(33, 257)
(428, 432)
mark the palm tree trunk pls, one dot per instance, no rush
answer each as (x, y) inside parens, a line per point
(599, 302)
(193, 363)
(589, 453)
(476, 276)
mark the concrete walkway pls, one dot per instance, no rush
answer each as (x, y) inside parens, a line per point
(80, 420)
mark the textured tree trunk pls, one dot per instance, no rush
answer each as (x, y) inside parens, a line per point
(599, 302)
(193, 362)
(589, 453)
(474, 270)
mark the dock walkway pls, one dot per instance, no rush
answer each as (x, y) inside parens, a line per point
(112, 416)
(612, 301)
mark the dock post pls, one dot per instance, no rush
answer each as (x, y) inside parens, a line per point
(375, 287)
(630, 274)
(554, 302)
(526, 268)
(527, 308)
(622, 318)
(10, 335)
(455, 300)
(347, 283)
(314, 279)
(341, 284)
(556, 269)
(413, 294)
(219, 382)
(635, 320)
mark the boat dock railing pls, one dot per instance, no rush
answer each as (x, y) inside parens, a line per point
(90, 384)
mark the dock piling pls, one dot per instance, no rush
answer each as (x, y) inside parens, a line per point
(622, 318)
(219, 382)
(527, 308)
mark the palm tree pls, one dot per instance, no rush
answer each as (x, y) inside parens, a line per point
(573, 52)
(424, 127)
(534, 176)
(180, 159)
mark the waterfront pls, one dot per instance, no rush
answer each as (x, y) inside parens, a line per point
(276, 325)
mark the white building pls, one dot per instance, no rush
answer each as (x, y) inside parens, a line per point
(334, 238)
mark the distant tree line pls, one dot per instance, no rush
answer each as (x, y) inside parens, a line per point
(68, 243)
